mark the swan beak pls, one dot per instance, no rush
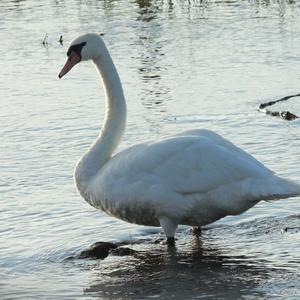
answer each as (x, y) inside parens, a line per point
(72, 60)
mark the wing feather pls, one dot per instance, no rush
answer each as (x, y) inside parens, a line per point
(195, 161)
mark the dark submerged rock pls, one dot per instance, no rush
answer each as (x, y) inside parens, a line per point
(101, 250)
(98, 250)
(122, 251)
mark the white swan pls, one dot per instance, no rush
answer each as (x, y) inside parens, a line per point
(193, 178)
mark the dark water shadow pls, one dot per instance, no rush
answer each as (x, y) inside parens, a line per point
(182, 273)
(225, 263)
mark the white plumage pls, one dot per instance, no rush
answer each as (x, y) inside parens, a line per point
(193, 178)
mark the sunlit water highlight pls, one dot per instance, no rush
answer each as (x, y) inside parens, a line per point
(183, 65)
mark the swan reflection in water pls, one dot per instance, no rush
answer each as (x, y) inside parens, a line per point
(182, 274)
(209, 267)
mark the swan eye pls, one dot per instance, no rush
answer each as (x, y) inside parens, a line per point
(76, 48)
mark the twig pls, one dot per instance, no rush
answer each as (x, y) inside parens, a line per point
(45, 41)
(61, 41)
(286, 115)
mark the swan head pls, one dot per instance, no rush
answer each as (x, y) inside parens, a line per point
(84, 47)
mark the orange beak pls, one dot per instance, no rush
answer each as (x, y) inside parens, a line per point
(72, 60)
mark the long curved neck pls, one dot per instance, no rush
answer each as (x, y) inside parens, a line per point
(113, 127)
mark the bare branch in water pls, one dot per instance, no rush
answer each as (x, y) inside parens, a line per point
(286, 115)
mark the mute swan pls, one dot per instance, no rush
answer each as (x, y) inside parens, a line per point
(193, 178)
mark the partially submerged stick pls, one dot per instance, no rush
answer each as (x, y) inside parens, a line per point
(286, 115)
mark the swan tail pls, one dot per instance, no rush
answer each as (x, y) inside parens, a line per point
(245, 194)
(279, 188)
(250, 191)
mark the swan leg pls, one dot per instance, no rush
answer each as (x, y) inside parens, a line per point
(170, 241)
(169, 228)
(196, 230)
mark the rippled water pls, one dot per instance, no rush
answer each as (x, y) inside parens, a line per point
(183, 64)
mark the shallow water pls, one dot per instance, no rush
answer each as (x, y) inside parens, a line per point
(183, 64)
